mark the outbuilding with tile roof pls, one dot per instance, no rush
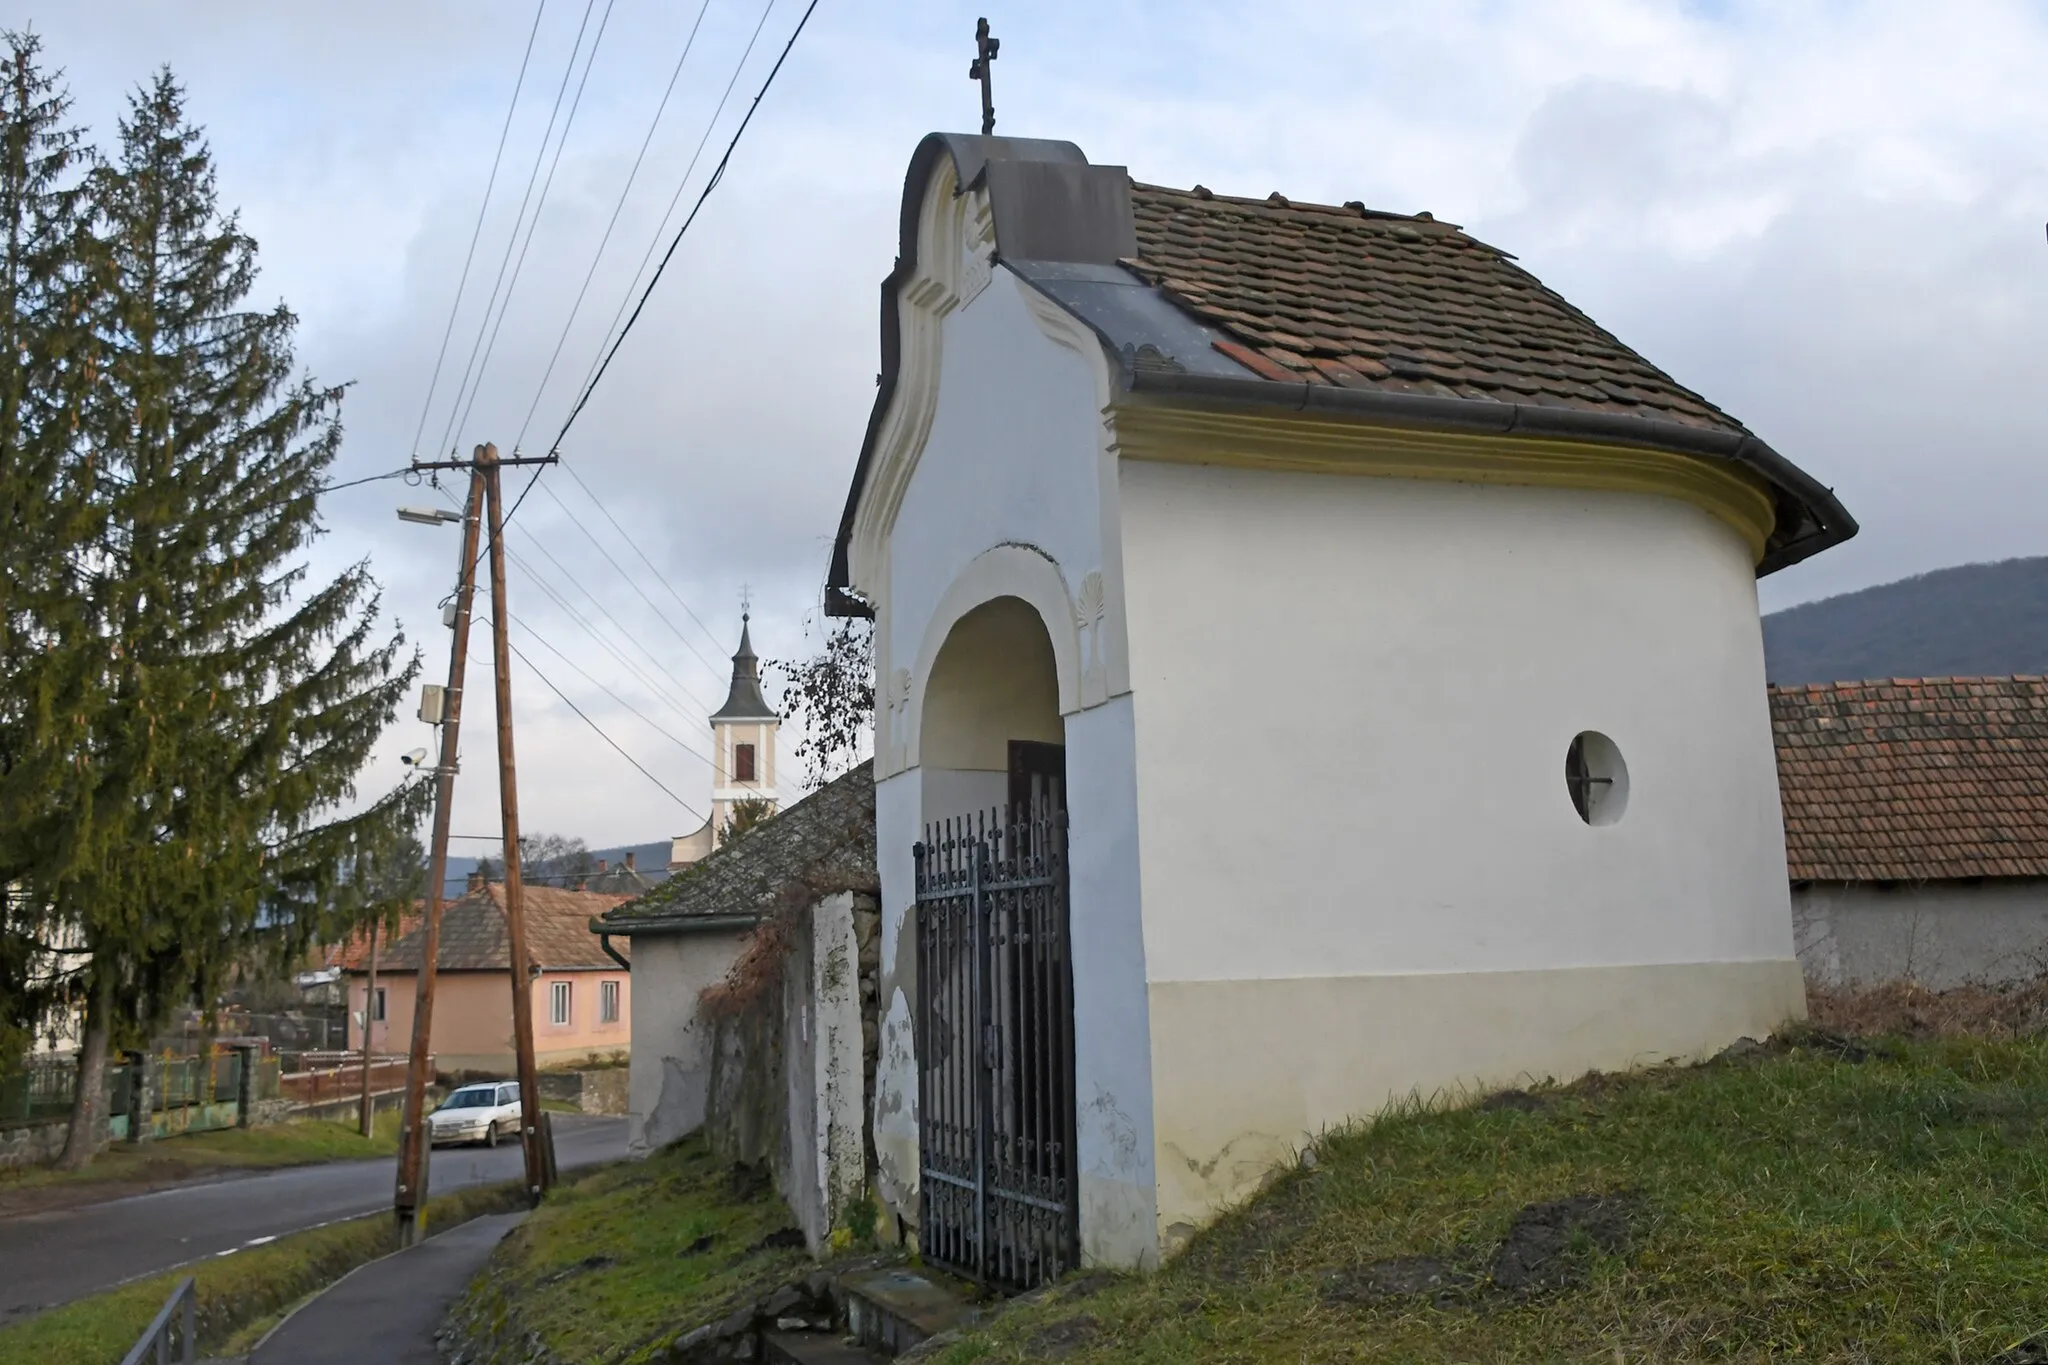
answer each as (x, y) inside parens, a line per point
(1381, 630)
(1916, 828)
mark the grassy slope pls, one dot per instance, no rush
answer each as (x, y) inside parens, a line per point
(617, 1263)
(1784, 1204)
(297, 1143)
(234, 1291)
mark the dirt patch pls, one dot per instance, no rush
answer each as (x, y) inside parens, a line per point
(1397, 1277)
(782, 1239)
(1519, 1100)
(1827, 1042)
(1546, 1245)
(700, 1246)
(1057, 1339)
(582, 1267)
(1901, 1008)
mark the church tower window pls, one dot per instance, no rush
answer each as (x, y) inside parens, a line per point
(743, 763)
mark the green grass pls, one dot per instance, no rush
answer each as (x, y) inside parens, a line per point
(236, 1293)
(614, 1265)
(1787, 1204)
(297, 1143)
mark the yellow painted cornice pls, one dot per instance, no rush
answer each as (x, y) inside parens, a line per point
(1320, 445)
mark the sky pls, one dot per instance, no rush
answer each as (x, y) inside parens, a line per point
(1827, 217)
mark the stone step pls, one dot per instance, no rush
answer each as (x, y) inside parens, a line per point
(893, 1309)
(814, 1348)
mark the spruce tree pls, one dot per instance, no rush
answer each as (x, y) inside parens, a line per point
(243, 698)
(49, 661)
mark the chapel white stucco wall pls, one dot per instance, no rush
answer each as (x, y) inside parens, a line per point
(1939, 934)
(669, 1076)
(1006, 502)
(1390, 672)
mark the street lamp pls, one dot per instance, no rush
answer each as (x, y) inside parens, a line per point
(428, 516)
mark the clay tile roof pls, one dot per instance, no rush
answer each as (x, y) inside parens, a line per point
(828, 838)
(1362, 299)
(474, 937)
(1914, 778)
(352, 954)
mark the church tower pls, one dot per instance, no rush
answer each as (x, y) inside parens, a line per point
(742, 740)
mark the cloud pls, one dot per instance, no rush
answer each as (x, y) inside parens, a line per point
(1826, 219)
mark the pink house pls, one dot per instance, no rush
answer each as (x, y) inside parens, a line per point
(582, 997)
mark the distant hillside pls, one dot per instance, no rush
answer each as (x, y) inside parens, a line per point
(651, 859)
(1976, 620)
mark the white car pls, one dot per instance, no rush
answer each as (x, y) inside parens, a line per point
(476, 1113)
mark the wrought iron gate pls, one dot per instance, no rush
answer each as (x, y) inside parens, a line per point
(996, 1046)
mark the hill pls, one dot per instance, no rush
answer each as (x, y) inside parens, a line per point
(1975, 620)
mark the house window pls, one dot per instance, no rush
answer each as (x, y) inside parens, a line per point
(607, 1002)
(743, 763)
(378, 1014)
(559, 1001)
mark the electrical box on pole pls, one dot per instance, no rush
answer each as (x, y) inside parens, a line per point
(433, 703)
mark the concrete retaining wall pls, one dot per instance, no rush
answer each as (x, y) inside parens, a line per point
(1937, 934)
(605, 1090)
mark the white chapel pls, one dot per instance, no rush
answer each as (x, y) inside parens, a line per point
(1316, 664)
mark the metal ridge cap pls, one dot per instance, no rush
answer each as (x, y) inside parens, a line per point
(673, 923)
(1828, 522)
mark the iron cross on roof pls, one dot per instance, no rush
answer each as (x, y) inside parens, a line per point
(985, 50)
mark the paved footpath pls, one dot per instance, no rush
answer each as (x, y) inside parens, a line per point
(54, 1257)
(386, 1312)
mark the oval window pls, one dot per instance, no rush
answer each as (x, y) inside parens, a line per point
(1596, 778)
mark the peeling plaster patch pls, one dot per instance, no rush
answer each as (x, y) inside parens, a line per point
(1115, 1148)
(896, 1110)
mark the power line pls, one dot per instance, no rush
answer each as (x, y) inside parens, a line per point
(575, 615)
(682, 744)
(717, 174)
(630, 582)
(617, 208)
(477, 232)
(600, 732)
(533, 225)
(623, 629)
(635, 545)
(448, 432)
(661, 228)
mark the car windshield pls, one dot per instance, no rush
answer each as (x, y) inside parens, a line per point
(476, 1097)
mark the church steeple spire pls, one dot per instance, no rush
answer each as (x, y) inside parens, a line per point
(743, 701)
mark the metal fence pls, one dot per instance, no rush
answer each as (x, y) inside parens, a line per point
(192, 1092)
(177, 1318)
(342, 1077)
(38, 1094)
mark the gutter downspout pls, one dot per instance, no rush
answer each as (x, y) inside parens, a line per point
(604, 941)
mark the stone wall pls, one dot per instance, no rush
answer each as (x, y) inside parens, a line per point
(602, 1090)
(35, 1144)
(791, 1070)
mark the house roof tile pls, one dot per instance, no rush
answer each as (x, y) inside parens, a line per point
(1365, 299)
(826, 838)
(475, 937)
(1910, 779)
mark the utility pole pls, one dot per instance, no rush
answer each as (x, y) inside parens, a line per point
(369, 1029)
(536, 1139)
(411, 1195)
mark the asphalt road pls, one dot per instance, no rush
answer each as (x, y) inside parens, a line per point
(51, 1258)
